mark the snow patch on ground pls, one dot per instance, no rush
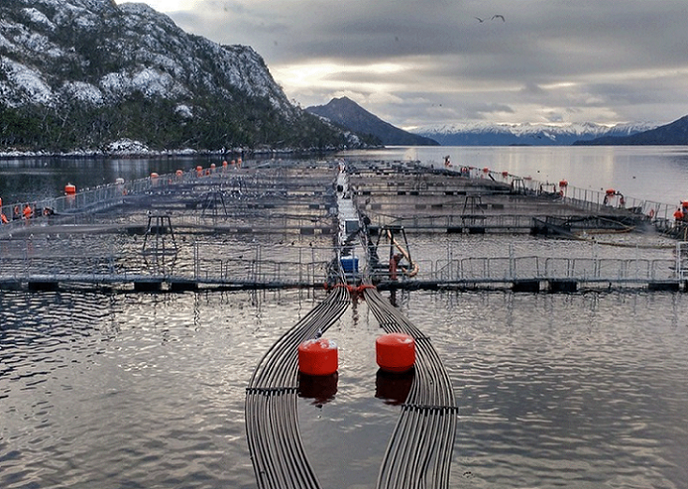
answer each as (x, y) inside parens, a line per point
(5, 44)
(127, 146)
(27, 80)
(85, 22)
(85, 92)
(148, 81)
(151, 82)
(184, 111)
(38, 17)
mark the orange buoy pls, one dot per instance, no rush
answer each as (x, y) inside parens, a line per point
(318, 357)
(395, 352)
(486, 170)
(70, 189)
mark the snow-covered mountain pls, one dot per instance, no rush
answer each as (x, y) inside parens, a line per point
(492, 134)
(87, 72)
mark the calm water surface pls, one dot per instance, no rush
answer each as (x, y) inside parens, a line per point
(127, 390)
(583, 390)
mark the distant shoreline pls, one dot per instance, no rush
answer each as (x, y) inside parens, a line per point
(243, 152)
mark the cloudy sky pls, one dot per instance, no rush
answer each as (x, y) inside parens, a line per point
(421, 62)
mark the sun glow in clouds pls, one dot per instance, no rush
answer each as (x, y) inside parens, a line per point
(333, 76)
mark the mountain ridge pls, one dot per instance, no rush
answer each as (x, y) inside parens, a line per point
(527, 134)
(348, 114)
(673, 134)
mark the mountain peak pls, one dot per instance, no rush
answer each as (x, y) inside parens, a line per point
(348, 114)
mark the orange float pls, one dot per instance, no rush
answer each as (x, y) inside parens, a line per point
(70, 189)
(318, 357)
(395, 352)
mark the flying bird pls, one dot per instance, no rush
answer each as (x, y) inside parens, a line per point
(479, 19)
(498, 17)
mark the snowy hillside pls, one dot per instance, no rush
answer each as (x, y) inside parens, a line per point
(105, 72)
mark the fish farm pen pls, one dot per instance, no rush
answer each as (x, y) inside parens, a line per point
(307, 224)
(353, 227)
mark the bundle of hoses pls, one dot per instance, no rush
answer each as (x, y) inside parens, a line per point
(274, 440)
(419, 452)
(420, 449)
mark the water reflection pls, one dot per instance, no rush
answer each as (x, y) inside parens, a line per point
(393, 388)
(320, 389)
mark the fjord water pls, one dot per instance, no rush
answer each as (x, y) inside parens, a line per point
(126, 390)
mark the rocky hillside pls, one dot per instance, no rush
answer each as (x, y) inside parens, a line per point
(347, 114)
(84, 74)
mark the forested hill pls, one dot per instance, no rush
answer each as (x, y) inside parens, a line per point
(84, 74)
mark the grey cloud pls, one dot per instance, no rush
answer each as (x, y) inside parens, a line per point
(596, 52)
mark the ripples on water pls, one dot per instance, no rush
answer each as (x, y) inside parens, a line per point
(578, 390)
(137, 390)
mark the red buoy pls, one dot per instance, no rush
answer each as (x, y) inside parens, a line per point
(395, 352)
(70, 189)
(318, 357)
